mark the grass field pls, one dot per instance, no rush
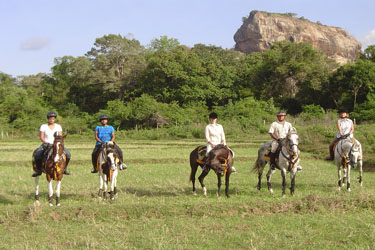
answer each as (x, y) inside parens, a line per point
(155, 208)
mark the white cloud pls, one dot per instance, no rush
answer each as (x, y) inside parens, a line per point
(368, 39)
(37, 43)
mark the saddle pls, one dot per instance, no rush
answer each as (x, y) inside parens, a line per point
(202, 150)
(267, 156)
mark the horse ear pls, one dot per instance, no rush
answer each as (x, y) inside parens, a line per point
(65, 136)
(293, 130)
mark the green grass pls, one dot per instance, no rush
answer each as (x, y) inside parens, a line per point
(155, 208)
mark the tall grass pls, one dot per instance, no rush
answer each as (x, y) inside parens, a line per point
(155, 208)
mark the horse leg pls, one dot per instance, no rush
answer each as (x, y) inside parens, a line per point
(348, 178)
(105, 186)
(50, 193)
(260, 167)
(339, 177)
(360, 172)
(227, 184)
(218, 185)
(101, 183)
(344, 176)
(194, 167)
(205, 171)
(36, 181)
(292, 181)
(115, 185)
(269, 176)
(113, 181)
(283, 175)
(58, 186)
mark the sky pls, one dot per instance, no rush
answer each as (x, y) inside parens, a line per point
(35, 32)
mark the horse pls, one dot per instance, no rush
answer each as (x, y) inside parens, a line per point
(220, 159)
(348, 154)
(288, 161)
(108, 164)
(53, 167)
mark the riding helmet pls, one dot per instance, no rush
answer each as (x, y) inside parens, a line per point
(212, 115)
(343, 110)
(51, 114)
(281, 112)
(103, 117)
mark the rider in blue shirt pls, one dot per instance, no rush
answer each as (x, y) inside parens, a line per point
(103, 134)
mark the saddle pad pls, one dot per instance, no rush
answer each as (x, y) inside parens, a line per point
(202, 153)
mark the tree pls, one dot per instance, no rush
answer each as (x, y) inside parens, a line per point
(164, 43)
(117, 63)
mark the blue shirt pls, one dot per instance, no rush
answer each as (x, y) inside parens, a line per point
(104, 133)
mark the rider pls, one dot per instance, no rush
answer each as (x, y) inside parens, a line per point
(278, 131)
(214, 134)
(47, 131)
(345, 126)
(103, 134)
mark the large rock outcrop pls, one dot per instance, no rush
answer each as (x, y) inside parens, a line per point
(262, 29)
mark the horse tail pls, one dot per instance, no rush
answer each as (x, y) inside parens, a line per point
(193, 163)
(256, 167)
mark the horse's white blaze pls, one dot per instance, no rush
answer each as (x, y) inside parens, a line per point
(56, 158)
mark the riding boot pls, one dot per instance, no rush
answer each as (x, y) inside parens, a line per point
(273, 160)
(38, 168)
(66, 172)
(331, 154)
(94, 158)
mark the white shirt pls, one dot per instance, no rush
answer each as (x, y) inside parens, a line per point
(280, 130)
(215, 134)
(346, 126)
(48, 133)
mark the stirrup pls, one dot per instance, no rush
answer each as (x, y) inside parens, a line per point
(66, 172)
(123, 166)
(94, 171)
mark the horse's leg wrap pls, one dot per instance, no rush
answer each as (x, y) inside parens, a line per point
(111, 195)
(50, 201)
(57, 201)
(100, 194)
(115, 190)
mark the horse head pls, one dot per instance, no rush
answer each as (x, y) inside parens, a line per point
(110, 154)
(354, 153)
(292, 141)
(220, 159)
(58, 146)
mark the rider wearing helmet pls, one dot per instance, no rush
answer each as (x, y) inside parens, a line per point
(46, 134)
(103, 134)
(278, 131)
(345, 127)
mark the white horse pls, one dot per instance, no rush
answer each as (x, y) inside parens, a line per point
(108, 170)
(348, 154)
(288, 161)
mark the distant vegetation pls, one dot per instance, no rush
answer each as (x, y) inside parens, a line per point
(173, 86)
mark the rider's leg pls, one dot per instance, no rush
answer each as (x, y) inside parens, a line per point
(94, 158)
(331, 151)
(38, 156)
(120, 155)
(273, 154)
(68, 156)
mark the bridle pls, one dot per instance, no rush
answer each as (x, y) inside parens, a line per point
(293, 157)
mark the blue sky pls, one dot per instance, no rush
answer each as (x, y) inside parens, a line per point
(34, 32)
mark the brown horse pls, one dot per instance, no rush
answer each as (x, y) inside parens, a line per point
(54, 168)
(220, 159)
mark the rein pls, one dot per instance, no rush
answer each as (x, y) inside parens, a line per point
(293, 157)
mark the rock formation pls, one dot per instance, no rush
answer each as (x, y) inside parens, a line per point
(262, 29)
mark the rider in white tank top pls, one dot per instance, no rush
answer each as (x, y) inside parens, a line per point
(346, 127)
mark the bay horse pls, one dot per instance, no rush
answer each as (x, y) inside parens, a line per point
(220, 159)
(288, 161)
(108, 163)
(348, 153)
(53, 167)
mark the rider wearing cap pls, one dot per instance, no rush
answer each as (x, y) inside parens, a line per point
(104, 134)
(345, 127)
(278, 131)
(46, 134)
(214, 133)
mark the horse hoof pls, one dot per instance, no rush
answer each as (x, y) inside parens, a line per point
(112, 199)
(36, 203)
(271, 191)
(283, 196)
(361, 184)
(194, 193)
(51, 205)
(58, 205)
(349, 190)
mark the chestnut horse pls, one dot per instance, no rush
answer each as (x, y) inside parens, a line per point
(108, 163)
(53, 167)
(220, 160)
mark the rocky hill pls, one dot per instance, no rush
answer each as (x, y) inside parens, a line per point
(262, 29)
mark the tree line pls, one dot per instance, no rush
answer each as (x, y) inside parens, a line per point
(169, 84)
